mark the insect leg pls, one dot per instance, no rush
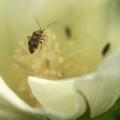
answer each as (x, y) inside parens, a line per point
(29, 38)
(43, 39)
(40, 44)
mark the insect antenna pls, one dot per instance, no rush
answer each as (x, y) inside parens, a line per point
(50, 24)
(37, 23)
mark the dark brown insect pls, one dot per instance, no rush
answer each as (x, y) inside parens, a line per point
(105, 49)
(38, 37)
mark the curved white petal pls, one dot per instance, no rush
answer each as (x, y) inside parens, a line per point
(11, 98)
(13, 108)
(102, 90)
(58, 97)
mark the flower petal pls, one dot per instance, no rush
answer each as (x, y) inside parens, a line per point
(102, 90)
(59, 97)
(13, 108)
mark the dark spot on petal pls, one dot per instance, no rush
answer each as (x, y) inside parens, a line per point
(68, 32)
(106, 49)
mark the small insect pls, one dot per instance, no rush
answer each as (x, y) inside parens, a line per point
(68, 32)
(38, 37)
(105, 49)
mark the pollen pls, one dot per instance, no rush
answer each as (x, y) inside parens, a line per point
(45, 63)
(54, 60)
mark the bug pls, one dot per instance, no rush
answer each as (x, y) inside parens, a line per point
(106, 48)
(38, 37)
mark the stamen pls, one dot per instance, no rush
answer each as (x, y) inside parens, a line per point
(44, 63)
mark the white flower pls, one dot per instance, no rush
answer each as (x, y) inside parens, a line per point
(98, 91)
(12, 107)
(67, 99)
(74, 50)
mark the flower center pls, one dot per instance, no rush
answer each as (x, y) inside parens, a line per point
(54, 60)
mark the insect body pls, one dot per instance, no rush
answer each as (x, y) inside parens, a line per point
(38, 37)
(34, 40)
